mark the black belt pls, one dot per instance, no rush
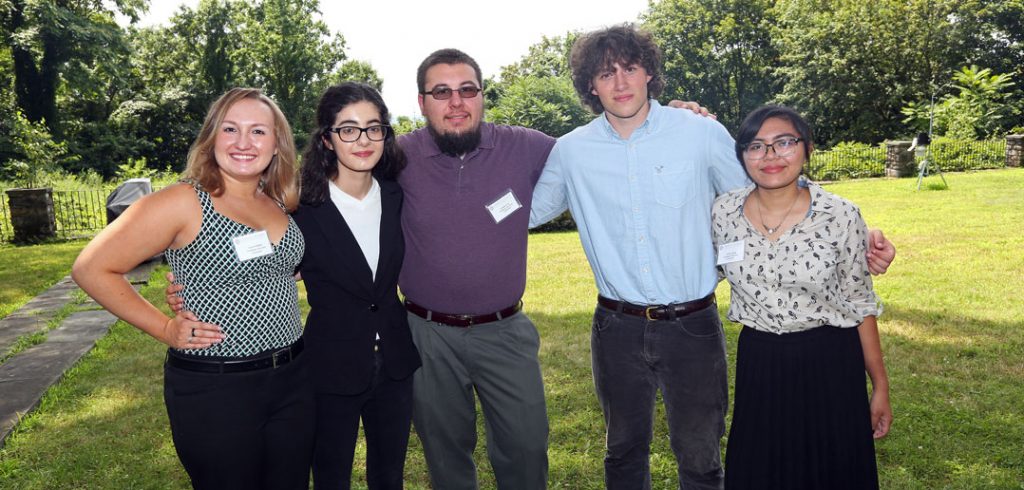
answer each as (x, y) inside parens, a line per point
(273, 359)
(461, 320)
(658, 312)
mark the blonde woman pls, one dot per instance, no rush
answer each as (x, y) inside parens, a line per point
(235, 384)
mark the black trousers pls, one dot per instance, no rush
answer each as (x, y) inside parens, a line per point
(386, 410)
(243, 430)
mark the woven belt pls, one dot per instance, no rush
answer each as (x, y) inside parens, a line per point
(658, 312)
(273, 359)
(461, 320)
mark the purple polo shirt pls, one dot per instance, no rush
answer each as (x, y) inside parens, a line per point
(457, 258)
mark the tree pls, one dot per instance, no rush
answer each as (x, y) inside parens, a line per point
(548, 58)
(537, 92)
(547, 104)
(848, 66)
(982, 108)
(358, 71)
(406, 124)
(45, 36)
(289, 54)
(717, 52)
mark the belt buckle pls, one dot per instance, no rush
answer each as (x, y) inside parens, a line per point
(273, 357)
(466, 318)
(648, 310)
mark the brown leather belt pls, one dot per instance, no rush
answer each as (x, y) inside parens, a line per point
(275, 359)
(461, 320)
(658, 312)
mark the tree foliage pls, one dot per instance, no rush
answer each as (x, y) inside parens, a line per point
(983, 107)
(717, 52)
(547, 104)
(51, 39)
(537, 90)
(289, 53)
(113, 96)
(358, 71)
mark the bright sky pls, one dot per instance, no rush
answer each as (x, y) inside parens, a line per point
(398, 34)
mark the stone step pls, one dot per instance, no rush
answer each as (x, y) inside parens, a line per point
(33, 316)
(26, 377)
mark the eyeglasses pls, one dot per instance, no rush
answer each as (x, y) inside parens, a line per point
(783, 147)
(445, 93)
(351, 134)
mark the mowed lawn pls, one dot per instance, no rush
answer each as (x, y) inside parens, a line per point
(953, 336)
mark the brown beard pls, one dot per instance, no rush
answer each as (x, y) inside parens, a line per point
(455, 144)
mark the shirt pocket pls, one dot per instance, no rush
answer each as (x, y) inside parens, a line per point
(676, 185)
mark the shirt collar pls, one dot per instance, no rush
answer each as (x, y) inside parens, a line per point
(821, 201)
(340, 196)
(649, 125)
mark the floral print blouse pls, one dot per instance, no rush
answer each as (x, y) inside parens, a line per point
(815, 274)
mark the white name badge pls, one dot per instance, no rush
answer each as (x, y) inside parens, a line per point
(252, 245)
(731, 252)
(504, 206)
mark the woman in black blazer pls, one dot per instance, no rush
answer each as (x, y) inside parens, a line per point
(360, 351)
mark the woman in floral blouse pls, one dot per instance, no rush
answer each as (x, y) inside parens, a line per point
(794, 255)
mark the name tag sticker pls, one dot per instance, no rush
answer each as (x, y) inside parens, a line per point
(504, 206)
(252, 245)
(731, 252)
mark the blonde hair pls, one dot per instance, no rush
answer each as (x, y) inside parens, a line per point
(279, 178)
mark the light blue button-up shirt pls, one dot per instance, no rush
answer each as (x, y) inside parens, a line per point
(643, 205)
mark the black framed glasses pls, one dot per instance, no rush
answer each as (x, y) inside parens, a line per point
(783, 147)
(445, 93)
(350, 134)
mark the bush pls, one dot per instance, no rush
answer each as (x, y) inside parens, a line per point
(957, 154)
(847, 161)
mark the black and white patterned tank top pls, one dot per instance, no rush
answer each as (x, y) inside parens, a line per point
(255, 301)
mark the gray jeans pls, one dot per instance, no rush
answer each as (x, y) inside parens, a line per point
(498, 362)
(633, 358)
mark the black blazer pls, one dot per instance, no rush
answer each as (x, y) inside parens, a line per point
(347, 306)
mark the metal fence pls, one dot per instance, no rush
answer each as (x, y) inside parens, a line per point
(958, 155)
(850, 161)
(79, 213)
(853, 161)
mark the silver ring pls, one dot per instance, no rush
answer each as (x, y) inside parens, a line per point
(193, 332)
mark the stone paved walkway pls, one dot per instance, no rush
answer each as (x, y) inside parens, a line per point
(26, 376)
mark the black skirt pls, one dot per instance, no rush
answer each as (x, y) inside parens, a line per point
(801, 419)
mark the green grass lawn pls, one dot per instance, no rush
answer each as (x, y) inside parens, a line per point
(28, 270)
(953, 335)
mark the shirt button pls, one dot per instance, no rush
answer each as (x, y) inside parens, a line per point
(645, 270)
(373, 308)
(641, 240)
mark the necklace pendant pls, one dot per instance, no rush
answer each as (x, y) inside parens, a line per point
(771, 231)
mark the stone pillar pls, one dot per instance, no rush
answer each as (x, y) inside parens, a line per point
(899, 160)
(1014, 150)
(32, 214)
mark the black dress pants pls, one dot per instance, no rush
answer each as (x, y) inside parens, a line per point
(246, 430)
(386, 410)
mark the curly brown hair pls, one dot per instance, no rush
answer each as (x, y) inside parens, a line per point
(599, 50)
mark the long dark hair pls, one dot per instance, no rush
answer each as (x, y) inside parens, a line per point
(320, 164)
